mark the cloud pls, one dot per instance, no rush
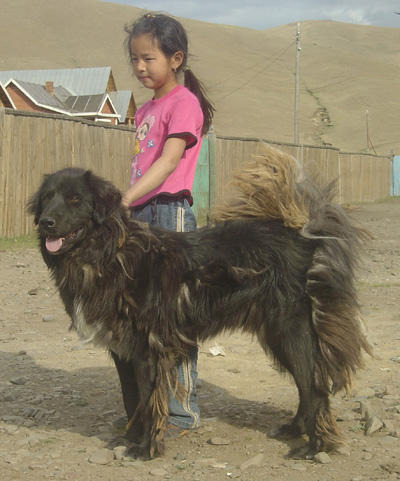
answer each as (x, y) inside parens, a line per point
(263, 14)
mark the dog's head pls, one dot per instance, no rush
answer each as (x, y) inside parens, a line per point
(70, 203)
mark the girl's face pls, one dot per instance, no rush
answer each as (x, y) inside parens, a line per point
(153, 69)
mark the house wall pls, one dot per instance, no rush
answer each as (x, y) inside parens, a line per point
(107, 109)
(130, 115)
(111, 87)
(21, 101)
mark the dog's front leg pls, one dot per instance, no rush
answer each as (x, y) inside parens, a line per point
(130, 395)
(137, 378)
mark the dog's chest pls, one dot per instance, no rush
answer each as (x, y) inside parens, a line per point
(99, 333)
(86, 331)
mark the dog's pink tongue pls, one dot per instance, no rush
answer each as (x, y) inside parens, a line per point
(54, 243)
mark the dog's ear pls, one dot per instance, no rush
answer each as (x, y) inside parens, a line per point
(106, 197)
(34, 206)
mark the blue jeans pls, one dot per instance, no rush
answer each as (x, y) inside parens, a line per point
(176, 215)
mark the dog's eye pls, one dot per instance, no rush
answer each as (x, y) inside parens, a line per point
(74, 199)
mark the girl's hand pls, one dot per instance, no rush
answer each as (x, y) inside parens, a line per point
(158, 172)
(125, 203)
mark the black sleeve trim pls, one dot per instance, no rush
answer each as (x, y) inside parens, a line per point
(189, 135)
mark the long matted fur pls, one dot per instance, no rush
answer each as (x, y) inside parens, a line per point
(277, 262)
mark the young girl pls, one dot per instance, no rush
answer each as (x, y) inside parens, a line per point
(169, 129)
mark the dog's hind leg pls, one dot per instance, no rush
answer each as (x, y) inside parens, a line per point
(295, 348)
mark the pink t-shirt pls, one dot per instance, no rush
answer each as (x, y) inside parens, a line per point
(177, 114)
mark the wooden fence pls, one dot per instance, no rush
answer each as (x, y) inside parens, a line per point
(33, 144)
(360, 177)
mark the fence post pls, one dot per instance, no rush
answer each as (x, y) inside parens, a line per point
(212, 142)
(2, 121)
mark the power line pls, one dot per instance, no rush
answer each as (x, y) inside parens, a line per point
(280, 53)
(254, 76)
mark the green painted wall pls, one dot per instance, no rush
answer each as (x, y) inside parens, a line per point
(204, 180)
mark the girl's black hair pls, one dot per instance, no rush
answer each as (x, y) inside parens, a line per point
(172, 38)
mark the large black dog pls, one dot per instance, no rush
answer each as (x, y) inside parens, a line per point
(278, 262)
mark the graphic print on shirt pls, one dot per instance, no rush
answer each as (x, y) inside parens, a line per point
(141, 133)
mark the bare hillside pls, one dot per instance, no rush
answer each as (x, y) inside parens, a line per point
(345, 69)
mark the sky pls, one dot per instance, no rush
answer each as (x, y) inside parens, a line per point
(263, 14)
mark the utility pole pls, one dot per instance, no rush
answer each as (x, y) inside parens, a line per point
(296, 90)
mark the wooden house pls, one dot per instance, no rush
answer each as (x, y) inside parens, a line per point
(89, 93)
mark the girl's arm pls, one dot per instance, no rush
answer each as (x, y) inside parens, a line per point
(158, 172)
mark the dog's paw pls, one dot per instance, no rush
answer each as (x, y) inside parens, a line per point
(291, 431)
(136, 451)
(303, 452)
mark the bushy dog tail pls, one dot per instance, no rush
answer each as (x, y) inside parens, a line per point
(267, 187)
(274, 186)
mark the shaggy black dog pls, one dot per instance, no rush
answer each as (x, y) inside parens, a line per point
(278, 262)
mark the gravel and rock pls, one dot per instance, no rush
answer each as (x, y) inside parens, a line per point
(61, 408)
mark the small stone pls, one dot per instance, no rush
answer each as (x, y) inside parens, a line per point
(388, 425)
(120, 422)
(180, 457)
(299, 467)
(343, 450)
(367, 392)
(158, 472)
(199, 383)
(119, 452)
(101, 456)
(9, 398)
(373, 425)
(215, 441)
(34, 291)
(366, 411)
(20, 381)
(254, 462)
(48, 318)
(13, 419)
(11, 429)
(29, 423)
(322, 458)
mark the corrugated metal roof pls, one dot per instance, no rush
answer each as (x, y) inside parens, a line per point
(80, 81)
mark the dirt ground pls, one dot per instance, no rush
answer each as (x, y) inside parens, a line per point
(60, 402)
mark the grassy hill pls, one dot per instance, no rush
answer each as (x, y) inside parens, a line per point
(345, 69)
